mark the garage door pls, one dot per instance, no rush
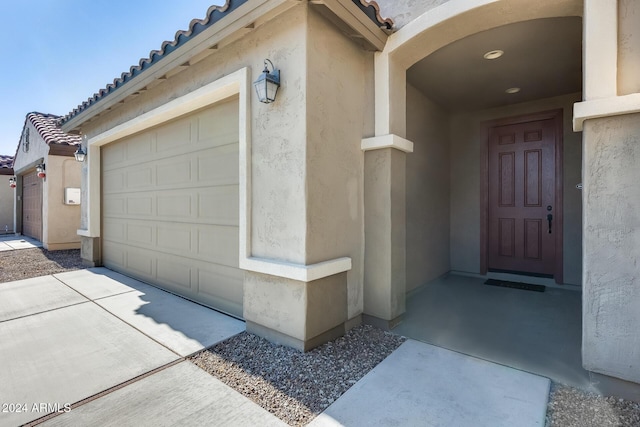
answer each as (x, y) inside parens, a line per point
(170, 207)
(32, 205)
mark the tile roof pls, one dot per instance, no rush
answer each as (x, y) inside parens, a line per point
(196, 26)
(6, 161)
(48, 127)
(372, 10)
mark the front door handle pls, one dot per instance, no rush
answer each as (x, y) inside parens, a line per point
(549, 219)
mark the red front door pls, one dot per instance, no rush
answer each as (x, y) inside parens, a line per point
(523, 216)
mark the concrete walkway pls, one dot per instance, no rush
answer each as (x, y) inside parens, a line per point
(115, 349)
(11, 242)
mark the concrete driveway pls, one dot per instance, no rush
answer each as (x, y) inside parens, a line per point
(94, 347)
(118, 346)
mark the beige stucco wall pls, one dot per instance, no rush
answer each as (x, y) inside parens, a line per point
(37, 152)
(60, 222)
(6, 204)
(611, 302)
(428, 204)
(339, 112)
(628, 47)
(277, 130)
(466, 142)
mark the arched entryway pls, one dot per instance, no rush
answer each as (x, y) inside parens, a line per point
(436, 90)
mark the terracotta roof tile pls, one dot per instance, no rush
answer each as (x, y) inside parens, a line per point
(48, 126)
(372, 10)
(6, 161)
(196, 26)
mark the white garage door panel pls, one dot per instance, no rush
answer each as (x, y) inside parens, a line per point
(211, 284)
(203, 168)
(170, 207)
(211, 205)
(216, 244)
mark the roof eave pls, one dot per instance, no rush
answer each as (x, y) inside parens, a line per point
(361, 27)
(236, 22)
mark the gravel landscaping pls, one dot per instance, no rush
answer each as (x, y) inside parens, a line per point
(570, 407)
(298, 386)
(26, 263)
(292, 385)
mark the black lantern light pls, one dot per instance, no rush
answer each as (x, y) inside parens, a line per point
(80, 154)
(268, 83)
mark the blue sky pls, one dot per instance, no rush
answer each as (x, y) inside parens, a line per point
(57, 53)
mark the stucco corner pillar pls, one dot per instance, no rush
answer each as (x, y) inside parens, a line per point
(609, 117)
(385, 228)
(289, 297)
(89, 231)
(297, 313)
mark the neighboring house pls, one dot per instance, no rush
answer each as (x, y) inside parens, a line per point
(6, 195)
(455, 141)
(47, 207)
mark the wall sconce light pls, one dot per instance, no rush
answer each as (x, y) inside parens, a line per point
(40, 169)
(12, 182)
(80, 154)
(267, 84)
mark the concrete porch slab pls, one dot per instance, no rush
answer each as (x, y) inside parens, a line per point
(95, 283)
(69, 354)
(423, 385)
(181, 395)
(5, 247)
(179, 324)
(31, 296)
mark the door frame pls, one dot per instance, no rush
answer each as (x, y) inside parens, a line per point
(557, 116)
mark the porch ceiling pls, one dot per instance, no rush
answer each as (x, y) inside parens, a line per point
(541, 57)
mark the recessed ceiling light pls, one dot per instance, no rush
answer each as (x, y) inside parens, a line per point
(513, 90)
(493, 54)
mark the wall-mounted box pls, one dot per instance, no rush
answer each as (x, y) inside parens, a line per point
(71, 196)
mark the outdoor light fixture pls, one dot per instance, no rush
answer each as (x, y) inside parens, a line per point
(267, 84)
(12, 182)
(40, 169)
(80, 155)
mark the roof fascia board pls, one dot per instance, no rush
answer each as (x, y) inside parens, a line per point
(351, 15)
(242, 17)
(62, 150)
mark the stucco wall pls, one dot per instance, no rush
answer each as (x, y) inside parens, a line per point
(338, 113)
(427, 190)
(6, 204)
(278, 129)
(466, 142)
(403, 11)
(611, 301)
(38, 151)
(60, 221)
(628, 47)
